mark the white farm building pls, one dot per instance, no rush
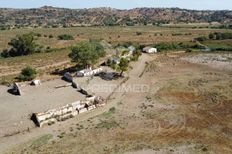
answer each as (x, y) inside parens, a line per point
(89, 72)
(150, 50)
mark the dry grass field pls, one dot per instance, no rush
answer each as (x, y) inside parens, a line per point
(150, 34)
(187, 109)
(10, 67)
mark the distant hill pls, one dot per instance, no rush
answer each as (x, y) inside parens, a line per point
(51, 16)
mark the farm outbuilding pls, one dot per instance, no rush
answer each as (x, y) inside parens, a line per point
(16, 89)
(36, 82)
(150, 50)
(89, 72)
(132, 49)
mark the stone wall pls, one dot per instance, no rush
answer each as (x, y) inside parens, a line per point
(68, 111)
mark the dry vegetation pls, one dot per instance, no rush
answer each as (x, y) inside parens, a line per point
(10, 67)
(45, 63)
(187, 110)
(149, 34)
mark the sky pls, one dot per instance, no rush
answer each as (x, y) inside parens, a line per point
(121, 4)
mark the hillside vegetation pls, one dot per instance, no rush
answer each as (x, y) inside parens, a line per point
(54, 17)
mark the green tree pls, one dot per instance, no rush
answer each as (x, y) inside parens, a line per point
(50, 36)
(123, 65)
(87, 53)
(23, 45)
(211, 36)
(27, 74)
(218, 36)
(136, 55)
(124, 52)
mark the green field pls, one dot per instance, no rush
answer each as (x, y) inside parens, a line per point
(219, 44)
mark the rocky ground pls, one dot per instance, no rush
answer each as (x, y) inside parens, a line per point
(218, 61)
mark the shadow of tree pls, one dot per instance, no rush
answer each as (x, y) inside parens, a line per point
(72, 69)
(108, 76)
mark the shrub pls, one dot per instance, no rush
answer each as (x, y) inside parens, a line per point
(48, 49)
(38, 35)
(220, 36)
(136, 55)
(138, 33)
(2, 28)
(188, 50)
(211, 36)
(125, 52)
(5, 53)
(176, 34)
(226, 36)
(65, 37)
(27, 74)
(108, 62)
(201, 38)
(50, 36)
(112, 110)
(107, 124)
(167, 46)
(130, 23)
(22, 45)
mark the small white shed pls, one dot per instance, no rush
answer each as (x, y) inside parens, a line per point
(89, 72)
(36, 82)
(150, 50)
(131, 49)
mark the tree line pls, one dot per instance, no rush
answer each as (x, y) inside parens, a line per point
(220, 36)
